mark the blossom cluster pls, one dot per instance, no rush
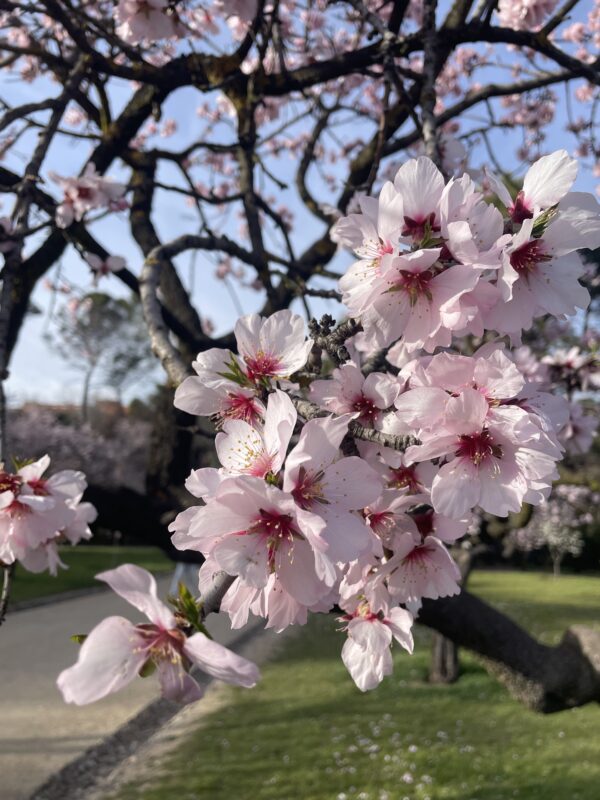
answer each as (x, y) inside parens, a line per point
(346, 490)
(440, 260)
(39, 512)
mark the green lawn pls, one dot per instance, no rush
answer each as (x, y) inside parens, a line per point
(84, 562)
(306, 733)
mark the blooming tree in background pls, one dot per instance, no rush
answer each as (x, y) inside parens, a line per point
(557, 525)
(336, 163)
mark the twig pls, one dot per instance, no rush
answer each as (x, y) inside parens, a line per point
(211, 601)
(8, 571)
(428, 95)
(310, 411)
(333, 341)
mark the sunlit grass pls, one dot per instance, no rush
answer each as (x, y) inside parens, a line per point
(306, 733)
(84, 562)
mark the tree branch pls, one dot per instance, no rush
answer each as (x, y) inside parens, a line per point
(544, 678)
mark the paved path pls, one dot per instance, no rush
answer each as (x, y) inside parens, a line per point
(39, 733)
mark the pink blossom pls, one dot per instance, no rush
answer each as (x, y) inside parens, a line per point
(545, 184)
(334, 488)
(420, 185)
(411, 298)
(420, 567)
(85, 193)
(104, 266)
(145, 20)
(540, 274)
(213, 393)
(246, 450)
(115, 651)
(525, 14)
(35, 509)
(366, 652)
(373, 235)
(578, 433)
(490, 462)
(253, 530)
(274, 347)
(45, 556)
(349, 392)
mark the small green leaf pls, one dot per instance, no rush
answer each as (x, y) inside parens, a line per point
(79, 638)
(542, 222)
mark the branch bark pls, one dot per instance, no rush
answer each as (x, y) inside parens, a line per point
(546, 679)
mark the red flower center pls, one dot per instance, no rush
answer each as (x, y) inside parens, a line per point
(415, 284)
(424, 522)
(526, 257)
(366, 408)
(84, 193)
(308, 489)
(519, 211)
(404, 478)
(276, 528)
(478, 447)
(10, 483)
(240, 406)
(262, 365)
(418, 226)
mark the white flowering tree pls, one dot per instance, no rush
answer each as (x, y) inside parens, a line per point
(336, 163)
(558, 525)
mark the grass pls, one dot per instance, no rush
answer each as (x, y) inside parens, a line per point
(306, 733)
(84, 562)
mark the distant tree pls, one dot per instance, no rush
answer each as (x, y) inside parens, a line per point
(104, 338)
(558, 524)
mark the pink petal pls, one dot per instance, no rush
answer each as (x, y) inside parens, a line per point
(138, 587)
(176, 684)
(220, 662)
(109, 659)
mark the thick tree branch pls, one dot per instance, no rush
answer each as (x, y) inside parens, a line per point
(545, 678)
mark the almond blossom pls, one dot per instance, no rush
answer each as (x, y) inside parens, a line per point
(45, 556)
(146, 20)
(545, 184)
(253, 530)
(274, 347)
(366, 653)
(490, 462)
(333, 488)
(219, 389)
(372, 235)
(419, 567)
(85, 193)
(35, 509)
(540, 275)
(116, 651)
(525, 14)
(104, 266)
(348, 391)
(246, 450)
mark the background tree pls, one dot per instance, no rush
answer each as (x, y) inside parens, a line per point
(104, 338)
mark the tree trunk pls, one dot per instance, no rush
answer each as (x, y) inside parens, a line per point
(445, 666)
(85, 400)
(547, 679)
(556, 566)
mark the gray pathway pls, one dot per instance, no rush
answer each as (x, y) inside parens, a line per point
(39, 733)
